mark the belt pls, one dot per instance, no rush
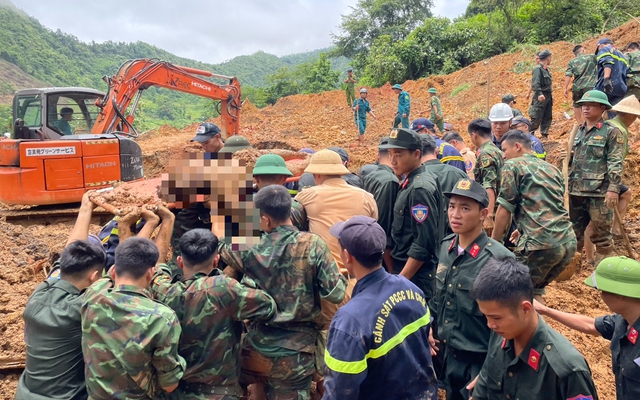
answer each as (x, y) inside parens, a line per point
(193, 387)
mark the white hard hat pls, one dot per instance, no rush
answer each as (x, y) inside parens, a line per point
(500, 112)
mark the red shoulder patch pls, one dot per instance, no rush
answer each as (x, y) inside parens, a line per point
(534, 359)
(475, 249)
(633, 336)
(599, 125)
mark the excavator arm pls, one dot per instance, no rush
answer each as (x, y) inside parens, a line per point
(134, 76)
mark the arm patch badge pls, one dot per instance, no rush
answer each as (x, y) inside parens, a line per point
(420, 213)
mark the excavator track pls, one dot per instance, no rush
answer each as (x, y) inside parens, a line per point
(49, 214)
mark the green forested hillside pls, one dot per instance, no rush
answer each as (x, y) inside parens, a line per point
(60, 59)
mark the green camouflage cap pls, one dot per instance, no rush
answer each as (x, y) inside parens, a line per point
(403, 139)
(471, 189)
(595, 96)
(235, 143)
(271, 164)
(617, 275)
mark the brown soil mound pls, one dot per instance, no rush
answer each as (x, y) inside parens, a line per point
(323, 120)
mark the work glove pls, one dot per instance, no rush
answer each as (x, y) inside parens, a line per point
(608, 86)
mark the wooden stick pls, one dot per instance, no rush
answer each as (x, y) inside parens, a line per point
(99, 201)
(627, 243)
(12, 363)
(565, 164)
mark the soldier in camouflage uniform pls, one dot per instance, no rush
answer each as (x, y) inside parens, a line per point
(595, 173)
(583, 70)
(541, 107)
(532, 191)
(298, 270)
(211, 308)
(437, 116)
(130, 341)
(488, 165)
(633, 83)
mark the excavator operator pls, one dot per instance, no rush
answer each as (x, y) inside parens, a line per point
(63, 124)
(208, 135)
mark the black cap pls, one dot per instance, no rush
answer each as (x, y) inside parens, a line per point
(544, 54)
(422, 123)
(522, 120)
(361, 236)
(403, 139)
(471, 189)
(341, 152)
(508, 98)
(205, 131)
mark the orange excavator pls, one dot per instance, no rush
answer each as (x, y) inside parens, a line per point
(66, 141)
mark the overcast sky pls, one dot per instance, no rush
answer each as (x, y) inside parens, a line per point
(206, 30)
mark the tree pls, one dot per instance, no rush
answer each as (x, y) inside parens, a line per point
(370, 19)
(319, 76)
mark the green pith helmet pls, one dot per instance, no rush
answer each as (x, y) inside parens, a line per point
(271, 164)
(235, 143)
(595, 96)
(433, 90)
(617, 275)
(396, 86)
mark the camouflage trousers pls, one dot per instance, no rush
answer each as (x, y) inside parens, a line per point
(440, 124)
(541, 113)
(545, 265)
(583, 210)
(284, 378)
(634, 91)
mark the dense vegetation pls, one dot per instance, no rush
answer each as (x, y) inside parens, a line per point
(396, 40)
(61, 59)
(384, 40)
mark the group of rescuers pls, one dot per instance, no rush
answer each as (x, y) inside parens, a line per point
(423, 271)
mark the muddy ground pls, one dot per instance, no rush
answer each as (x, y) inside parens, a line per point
(322, 120)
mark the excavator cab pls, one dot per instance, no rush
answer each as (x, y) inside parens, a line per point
(53, 158)
(38, 113)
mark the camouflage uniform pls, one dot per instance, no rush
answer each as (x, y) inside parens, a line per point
(488, 166)
(533, 191)
(583, 71)
(437, 117)
(298, 270)
(211, 309)
(541, 111)
(596, 167)
(633, 83)
(129, 342)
